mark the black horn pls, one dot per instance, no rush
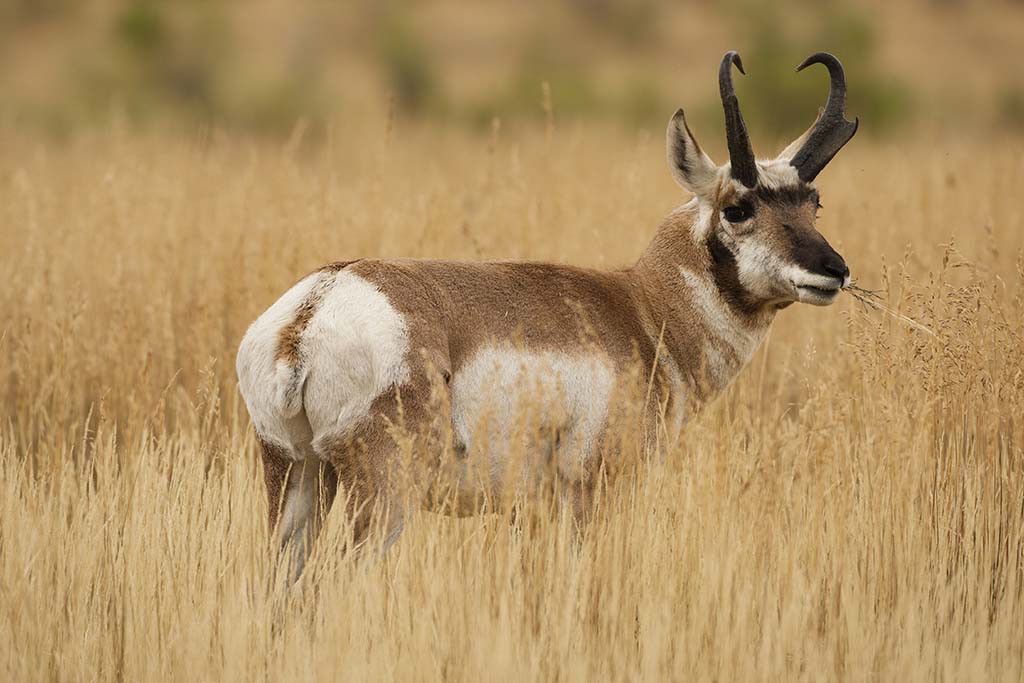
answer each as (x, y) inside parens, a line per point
(831, 131)
(744, 169)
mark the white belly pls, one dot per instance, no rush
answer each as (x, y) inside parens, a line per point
(510, 407)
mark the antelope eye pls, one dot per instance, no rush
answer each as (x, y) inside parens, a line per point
(737, 214)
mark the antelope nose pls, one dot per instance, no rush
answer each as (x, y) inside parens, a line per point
(834, 265)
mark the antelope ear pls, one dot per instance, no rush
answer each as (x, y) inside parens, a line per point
(691, 167)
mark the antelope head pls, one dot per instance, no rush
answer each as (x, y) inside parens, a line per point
(757, 217)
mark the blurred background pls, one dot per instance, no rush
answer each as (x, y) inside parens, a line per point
(262, 66)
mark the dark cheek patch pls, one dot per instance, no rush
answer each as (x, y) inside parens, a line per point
(727, 277)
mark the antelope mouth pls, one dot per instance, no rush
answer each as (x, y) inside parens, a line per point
(816, 296)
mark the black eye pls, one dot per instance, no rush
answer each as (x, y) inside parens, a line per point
(737, 214)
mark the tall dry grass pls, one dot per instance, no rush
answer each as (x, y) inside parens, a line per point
(852, 508)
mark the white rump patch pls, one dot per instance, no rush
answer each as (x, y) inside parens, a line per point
(357, 348)
(504, 398)
(352, 350)
(261, 379)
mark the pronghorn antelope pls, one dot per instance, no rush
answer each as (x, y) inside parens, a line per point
(453, 348)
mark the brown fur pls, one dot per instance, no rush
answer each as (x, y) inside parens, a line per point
(686, 331)
(275, 473)
(696, 303)
(454, 309)
(290, 338)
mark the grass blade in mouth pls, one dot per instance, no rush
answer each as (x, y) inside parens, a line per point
(873, 299)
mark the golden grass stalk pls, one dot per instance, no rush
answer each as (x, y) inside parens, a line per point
(872, 299)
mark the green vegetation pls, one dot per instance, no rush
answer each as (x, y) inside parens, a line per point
(407, 65)
(631, 22)
(575, 92)
(1010, 104)
(261, 67)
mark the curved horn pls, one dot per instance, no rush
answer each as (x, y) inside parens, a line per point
(744, 169)
(831, 131)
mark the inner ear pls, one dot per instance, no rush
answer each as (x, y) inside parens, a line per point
(691, 167)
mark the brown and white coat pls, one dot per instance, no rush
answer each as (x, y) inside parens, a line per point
(465, 354)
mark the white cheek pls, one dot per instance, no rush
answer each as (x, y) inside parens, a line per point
(765, 273)
(761, 271)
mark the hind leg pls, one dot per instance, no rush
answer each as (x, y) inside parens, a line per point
(365, 492)
(383, 456)
(299, 494)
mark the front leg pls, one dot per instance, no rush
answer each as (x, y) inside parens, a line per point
(579, 497)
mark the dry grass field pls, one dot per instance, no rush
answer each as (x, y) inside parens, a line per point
(852, 508)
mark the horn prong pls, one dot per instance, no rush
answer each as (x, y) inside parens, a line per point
(832, 130)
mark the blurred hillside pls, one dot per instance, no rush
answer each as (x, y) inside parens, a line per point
(262, 65)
